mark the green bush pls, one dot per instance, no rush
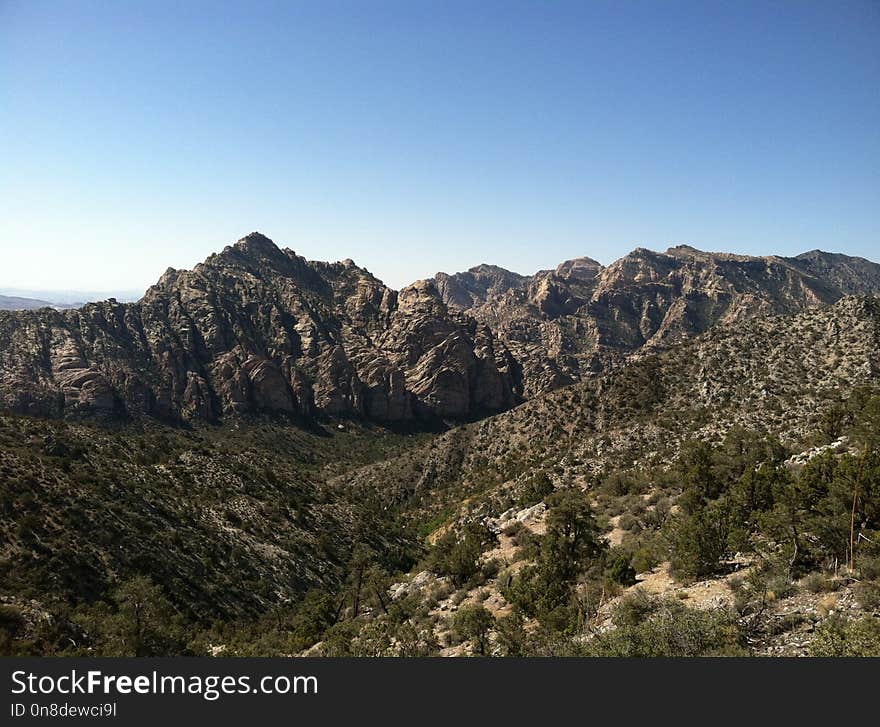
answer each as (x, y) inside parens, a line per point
(457, 554)
(621, 571)
(868, 595)
(664, 628)
(513, 529)
(341, 640)
(837, 636)
(473, 622)
(535, 490)
(629, 522)
(412, 641)
(316, 613)
(512, 637)
(698, 540)
(818, 583)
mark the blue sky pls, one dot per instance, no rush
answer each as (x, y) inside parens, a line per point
(422, 136)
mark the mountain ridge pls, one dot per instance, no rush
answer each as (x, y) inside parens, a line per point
(690, 371)
(573, 321)
(256, 329)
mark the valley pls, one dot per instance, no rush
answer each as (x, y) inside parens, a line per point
(676, 454)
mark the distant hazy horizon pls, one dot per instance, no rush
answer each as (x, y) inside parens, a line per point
(416, 137)
(71, 297)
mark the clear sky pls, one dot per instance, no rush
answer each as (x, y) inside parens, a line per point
(420, 136)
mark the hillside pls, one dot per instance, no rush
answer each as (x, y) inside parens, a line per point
(776, 375)
(231, 521)
(679, 466)
(13, 302)
(287, 457)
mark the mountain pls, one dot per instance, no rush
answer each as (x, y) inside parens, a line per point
(239, 522)
(12, 302)
(773, 374)
(256, 329)
(578, 319)
(259, 330)
(744, 396)
(708, 470)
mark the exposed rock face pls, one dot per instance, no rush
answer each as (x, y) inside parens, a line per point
(573, 321)
(256, 329)
(853, 275)
(477, 285)
(775, 374)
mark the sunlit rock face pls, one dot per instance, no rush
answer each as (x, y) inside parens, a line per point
(259, 330)
(582, 318)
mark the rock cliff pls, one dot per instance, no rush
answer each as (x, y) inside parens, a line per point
(256, 329)
(573, 321)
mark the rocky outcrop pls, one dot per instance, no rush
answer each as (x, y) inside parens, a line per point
(772, 374)
(581, 318)
(798, 461)
(254, 330)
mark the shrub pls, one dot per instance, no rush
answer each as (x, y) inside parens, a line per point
(699, 540)
(535, 490)
(621, 571)
(339, 639)
(818, 583)
(869, 568)
(457, 555)
(644, 560)
(629, 522)
(512, 637)
(763, 584)
(315, 614)
(526, 540)
(868, 595)
(511, 530)
(634, 608)
(413, 641)
(837, 636)
(663, 628)
(473, 622)
(490, 568)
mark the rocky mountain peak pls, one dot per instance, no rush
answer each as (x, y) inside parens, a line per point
(256, 243)
(583, 268)
(684, 250)
(485, 269)
(255, 249)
